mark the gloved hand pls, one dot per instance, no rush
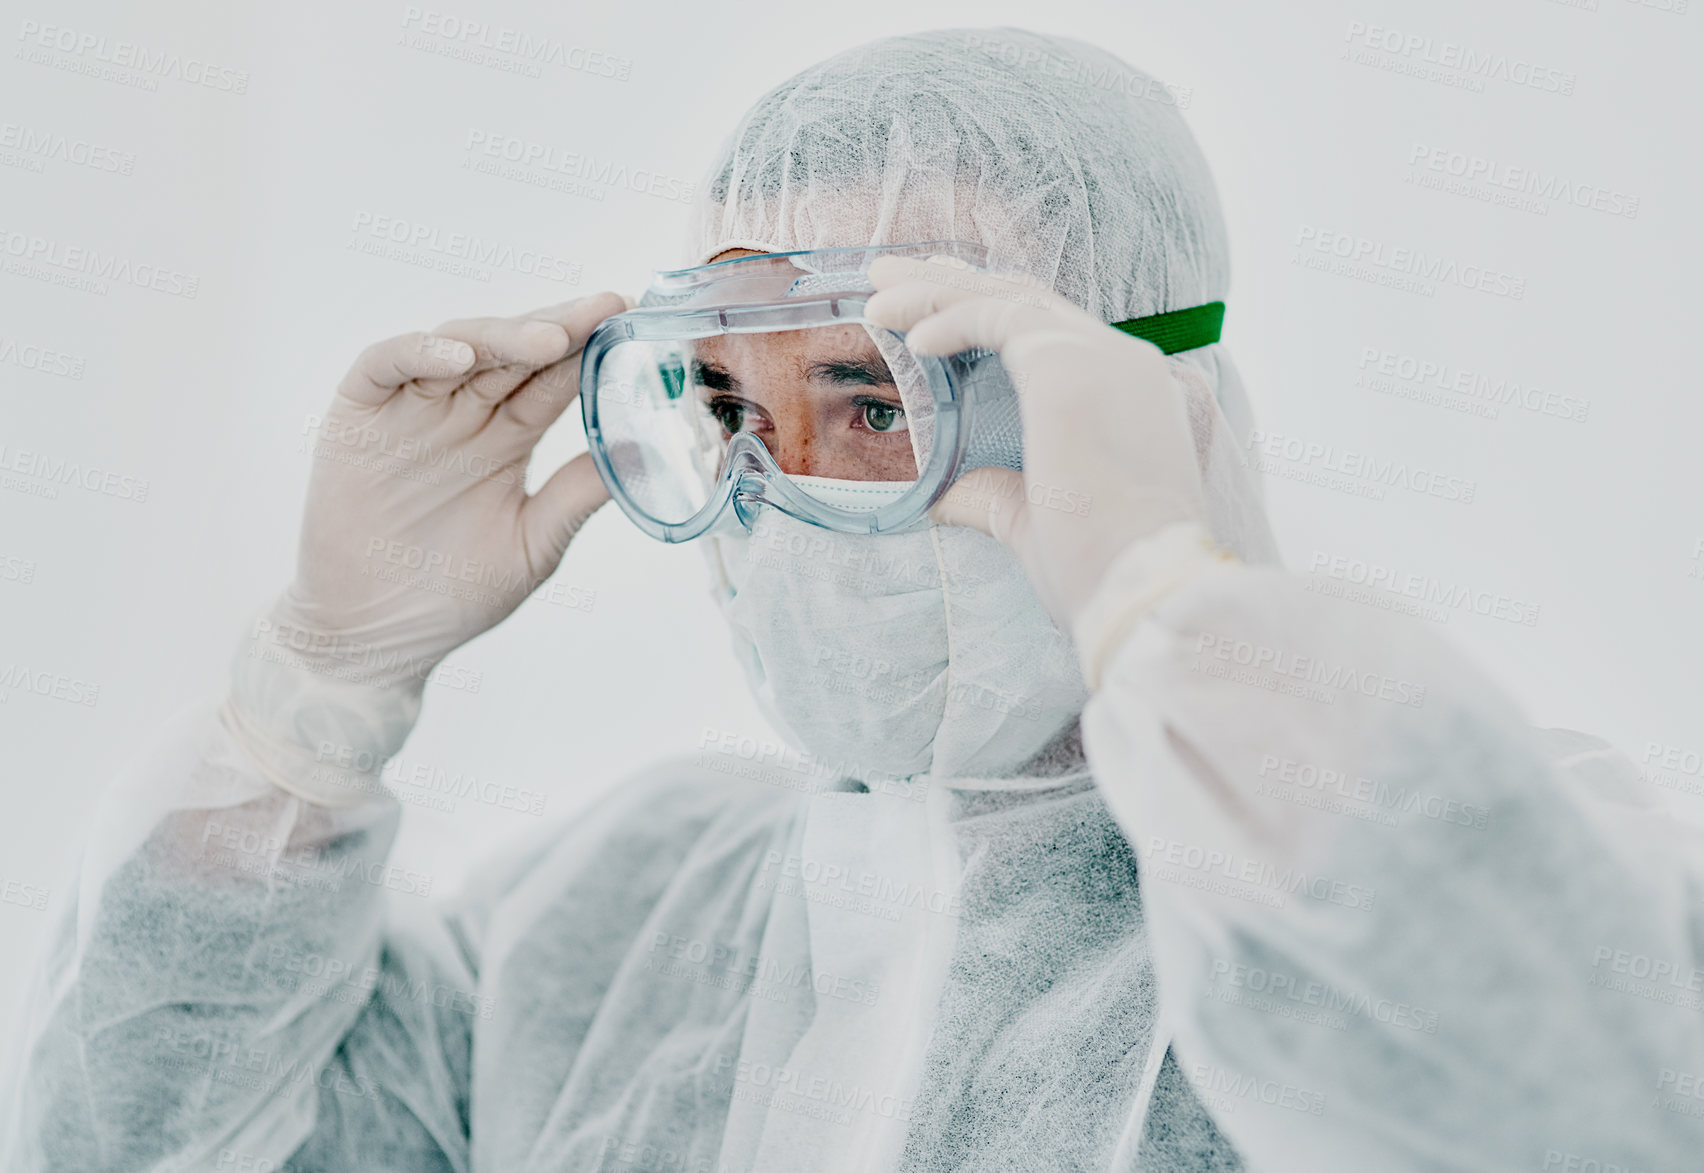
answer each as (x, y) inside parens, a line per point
(418, 535)
(1102, 418)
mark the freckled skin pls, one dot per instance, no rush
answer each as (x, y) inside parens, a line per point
(812, 424)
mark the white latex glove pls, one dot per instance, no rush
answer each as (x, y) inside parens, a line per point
(1103, 419)
(418, 535)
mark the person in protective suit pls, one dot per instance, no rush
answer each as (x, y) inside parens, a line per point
(1144, 855)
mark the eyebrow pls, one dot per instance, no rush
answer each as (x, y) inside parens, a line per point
(867, 371)
(713, 377)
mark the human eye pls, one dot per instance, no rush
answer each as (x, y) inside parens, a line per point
(734, 415)
(879, 415)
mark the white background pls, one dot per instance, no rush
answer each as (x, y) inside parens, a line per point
(1598, 523)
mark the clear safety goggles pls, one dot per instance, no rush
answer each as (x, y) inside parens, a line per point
(757, 382)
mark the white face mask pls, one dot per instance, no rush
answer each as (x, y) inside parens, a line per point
(898, 654)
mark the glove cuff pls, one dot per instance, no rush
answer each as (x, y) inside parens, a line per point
(1135, 583)
(313, 717)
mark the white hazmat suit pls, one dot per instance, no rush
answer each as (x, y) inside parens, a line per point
(1316, 897)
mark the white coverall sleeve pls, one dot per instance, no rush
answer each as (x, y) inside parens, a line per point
(234, 987)
(1394, 926)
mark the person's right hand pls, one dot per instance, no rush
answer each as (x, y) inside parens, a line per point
(418, 536)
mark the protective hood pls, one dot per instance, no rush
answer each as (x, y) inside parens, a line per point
(928, 652)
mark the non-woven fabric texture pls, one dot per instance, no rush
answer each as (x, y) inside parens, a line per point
(927, 937)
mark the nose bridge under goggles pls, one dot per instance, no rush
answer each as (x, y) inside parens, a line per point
(758, 382)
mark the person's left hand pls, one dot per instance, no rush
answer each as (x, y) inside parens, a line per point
(1102, 416)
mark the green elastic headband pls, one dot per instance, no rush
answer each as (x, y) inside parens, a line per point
(1178, 330)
